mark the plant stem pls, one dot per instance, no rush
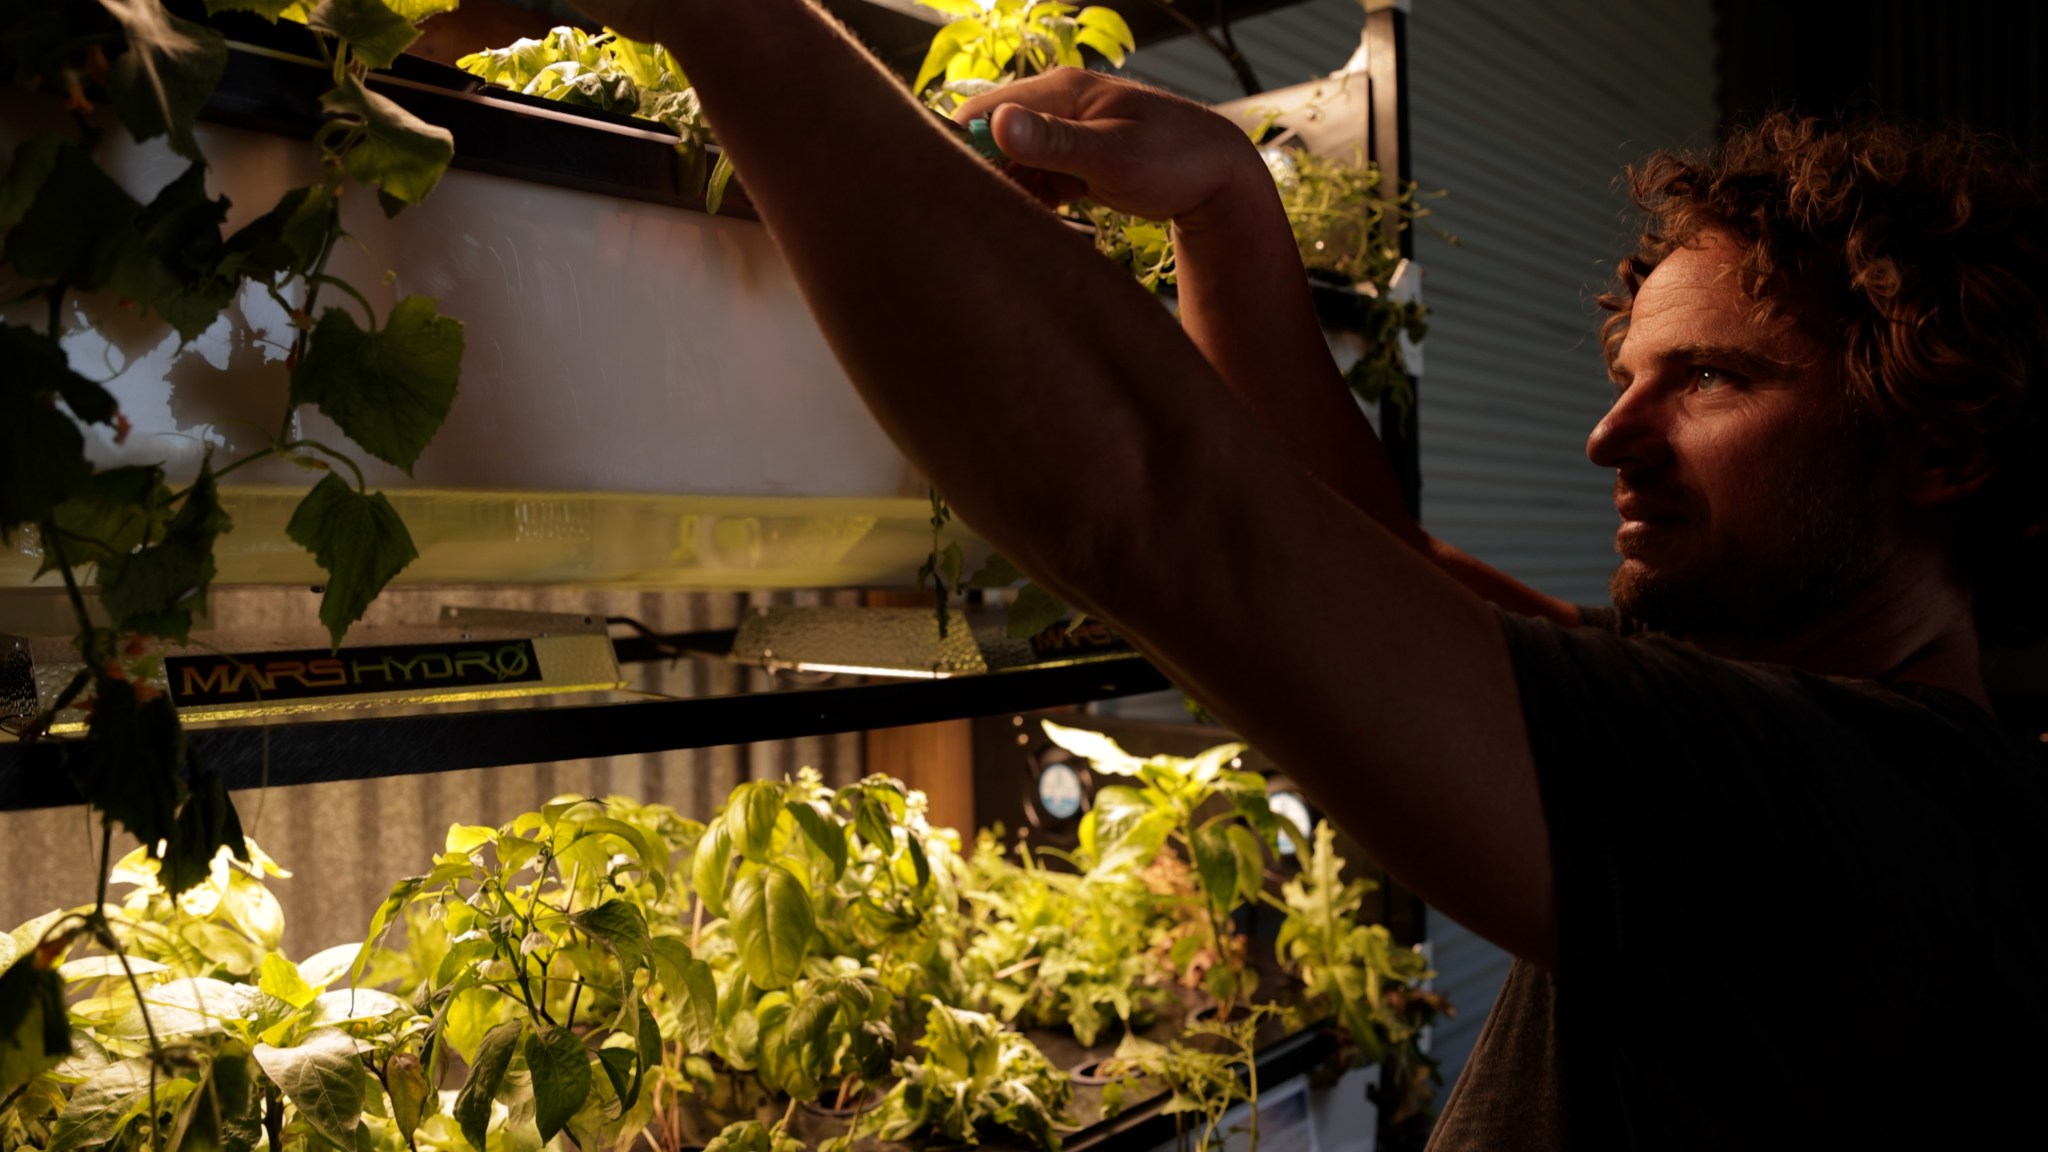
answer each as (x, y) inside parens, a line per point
(369, 313)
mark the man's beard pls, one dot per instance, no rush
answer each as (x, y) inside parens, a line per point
(1758, 593)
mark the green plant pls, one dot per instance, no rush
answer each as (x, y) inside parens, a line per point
(1215, 814)
(75, 242)
(1201, 1083)
(1346, 225)
(975, 1074)
(831, 922)
(612, 74)
(1049, 947)
(1355, 972)
(546, 963)
(992, 42)
(188, 1029)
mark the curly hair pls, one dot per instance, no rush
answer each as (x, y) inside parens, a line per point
(1922, 258)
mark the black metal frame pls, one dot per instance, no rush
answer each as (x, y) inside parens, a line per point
(250, 755)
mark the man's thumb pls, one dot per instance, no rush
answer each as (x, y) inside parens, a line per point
(1036, 141)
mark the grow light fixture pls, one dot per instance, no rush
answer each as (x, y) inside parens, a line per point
(850, 640)
(471, 655)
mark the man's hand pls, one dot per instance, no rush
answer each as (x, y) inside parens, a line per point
(1120, 144)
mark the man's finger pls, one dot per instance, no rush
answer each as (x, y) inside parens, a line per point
(1041, 141)
(1056, 93)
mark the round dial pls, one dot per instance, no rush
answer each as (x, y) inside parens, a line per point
(1291, 806)
(1059, 790)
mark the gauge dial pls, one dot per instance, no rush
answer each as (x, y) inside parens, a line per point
(1291, 806)
(1059, 790)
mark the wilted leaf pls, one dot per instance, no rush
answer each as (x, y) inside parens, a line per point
(473, 1104)
(358, 539)
(406, 1082)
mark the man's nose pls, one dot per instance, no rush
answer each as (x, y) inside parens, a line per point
(1633, 432)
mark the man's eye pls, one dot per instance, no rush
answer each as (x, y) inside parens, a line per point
(1707, 379)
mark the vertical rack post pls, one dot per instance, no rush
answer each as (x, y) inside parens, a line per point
(1386, 144)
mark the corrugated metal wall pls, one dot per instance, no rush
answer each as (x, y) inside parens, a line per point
(346, 843)
(1525, 113)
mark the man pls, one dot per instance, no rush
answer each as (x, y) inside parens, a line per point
(1779, 885)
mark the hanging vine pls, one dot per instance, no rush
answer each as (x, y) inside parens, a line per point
(69, 229)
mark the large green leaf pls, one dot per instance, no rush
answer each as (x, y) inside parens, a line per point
(1251, 860)
(175, 267)
(690, 987)
(34, 1032)
(771, 925)
(828, 837)
(1216, 864)
(99, 1107)
(80, 229)
(753, 810)
(111, 515)
(561, 1078)
(42, 452)
(710, 867)
(390, 388)
(375, 34)
(280, 978)
(360, 541)
(473, 1104)
(324, 1079)
(403, 155)
(621, 927)
(170, 68)
(285, 241)
(155, 591)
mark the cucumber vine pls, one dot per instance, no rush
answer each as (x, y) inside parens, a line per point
(69, 232)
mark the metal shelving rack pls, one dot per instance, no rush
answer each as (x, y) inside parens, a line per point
(271, 88)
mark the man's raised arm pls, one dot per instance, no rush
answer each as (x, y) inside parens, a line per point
(970, 319)
(1243, 297)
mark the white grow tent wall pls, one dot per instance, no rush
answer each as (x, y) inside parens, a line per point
(645, 399)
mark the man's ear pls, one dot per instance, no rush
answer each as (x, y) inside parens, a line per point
(1943, 468)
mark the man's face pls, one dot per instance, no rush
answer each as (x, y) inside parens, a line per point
(1751, 499)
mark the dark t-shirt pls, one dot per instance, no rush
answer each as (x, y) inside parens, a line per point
(1793, 911)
